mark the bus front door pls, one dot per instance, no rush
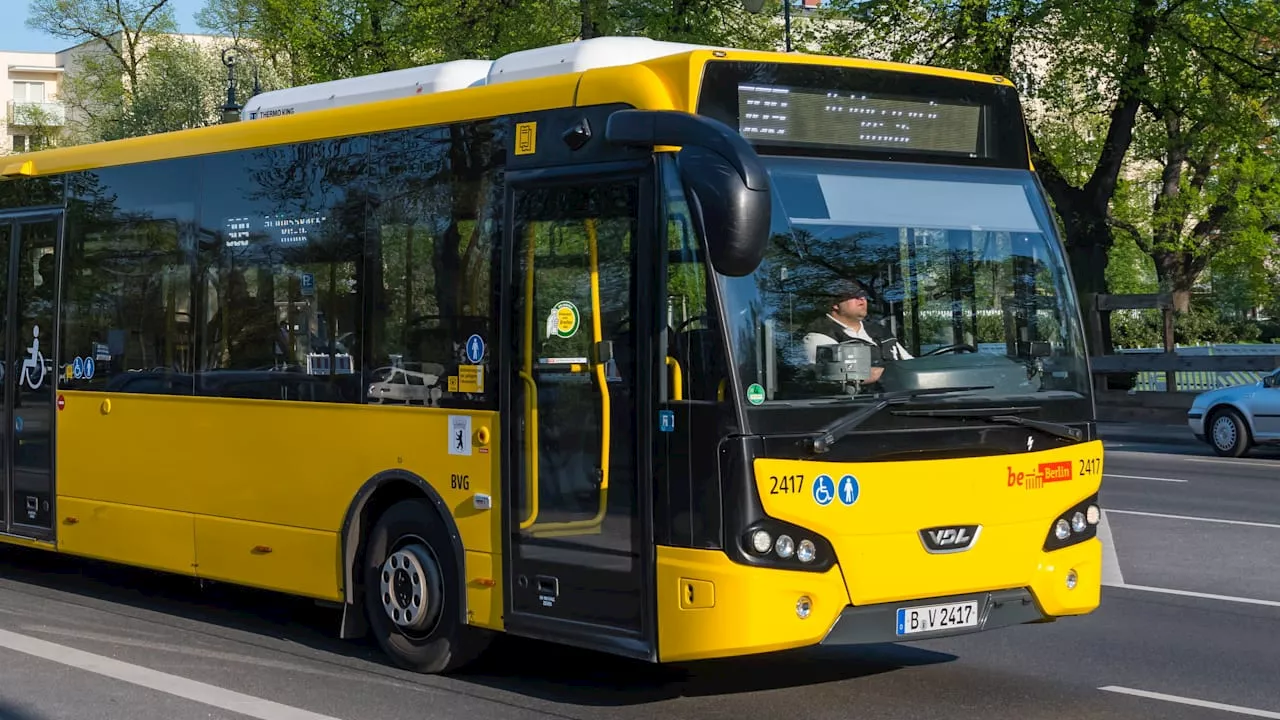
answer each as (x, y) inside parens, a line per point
(28, 279)
(578, 507)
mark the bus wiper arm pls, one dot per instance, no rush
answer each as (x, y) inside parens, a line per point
(1003, 416)
(830, 434)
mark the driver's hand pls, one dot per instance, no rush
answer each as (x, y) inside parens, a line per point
(876, 372)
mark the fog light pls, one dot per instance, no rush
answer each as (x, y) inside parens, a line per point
(785, 546)
(1061, 529)
(761, 541)
(1072, 579)
(1077, 522)
(1093, 514)
(807, 552)
(804, 606)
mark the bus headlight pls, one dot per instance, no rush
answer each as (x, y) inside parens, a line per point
(1075, 525)
(782, 545)
(761, 541)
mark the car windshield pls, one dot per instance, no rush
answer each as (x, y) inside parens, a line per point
(927, 276)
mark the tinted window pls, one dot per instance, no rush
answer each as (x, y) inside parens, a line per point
(30, 192)
(127, 301)
(281, 234)
(434, 227)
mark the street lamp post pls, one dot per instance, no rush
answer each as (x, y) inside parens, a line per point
(231, 109)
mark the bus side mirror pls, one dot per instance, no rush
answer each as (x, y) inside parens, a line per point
(727, 184)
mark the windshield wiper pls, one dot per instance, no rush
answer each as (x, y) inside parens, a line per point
(1004, 416)
(822, 440)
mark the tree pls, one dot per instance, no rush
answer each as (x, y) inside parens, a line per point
(122, 26)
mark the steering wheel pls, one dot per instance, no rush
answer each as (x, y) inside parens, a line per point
(957, 347)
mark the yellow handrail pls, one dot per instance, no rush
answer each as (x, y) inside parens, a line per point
(597, 335)
(677, 378)
(531, 391)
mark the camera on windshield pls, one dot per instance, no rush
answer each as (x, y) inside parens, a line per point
(847, 363)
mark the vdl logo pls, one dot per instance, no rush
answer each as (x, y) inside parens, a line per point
(955, 538)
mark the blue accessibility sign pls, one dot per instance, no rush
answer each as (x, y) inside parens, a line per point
(475, 349)
(848, 489)
(666, 421)
(824, 491)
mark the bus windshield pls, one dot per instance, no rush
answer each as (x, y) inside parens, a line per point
(953, 275)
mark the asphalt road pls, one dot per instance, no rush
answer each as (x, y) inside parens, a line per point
(1190, 617)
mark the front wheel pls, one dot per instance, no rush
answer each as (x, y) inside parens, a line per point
(1228, 433)
(414, 591)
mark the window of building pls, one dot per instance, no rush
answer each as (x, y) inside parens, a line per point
(281, 238)
(434, 229)
(28, 92)
(127, 301)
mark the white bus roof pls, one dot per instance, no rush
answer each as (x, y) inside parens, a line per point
(458, 74)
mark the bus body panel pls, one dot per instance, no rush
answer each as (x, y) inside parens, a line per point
(879, 513)
(142, 482)
(752, 610)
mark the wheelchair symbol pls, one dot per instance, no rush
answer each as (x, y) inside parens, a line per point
(824, 491)
(33, 363)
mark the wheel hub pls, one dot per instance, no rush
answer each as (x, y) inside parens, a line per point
(409, 587)
(1224, 433)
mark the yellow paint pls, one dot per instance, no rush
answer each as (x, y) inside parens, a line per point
(484, 590)
(296, 466)
(305, 562)
(147, 537)
(877, 538)
(754, 611)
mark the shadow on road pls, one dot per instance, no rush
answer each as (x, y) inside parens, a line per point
(567, 675)
(11, 712)
(541, 670)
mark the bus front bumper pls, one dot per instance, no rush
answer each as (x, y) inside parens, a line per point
(962, 614)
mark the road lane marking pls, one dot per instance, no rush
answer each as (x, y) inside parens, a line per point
(1142, 477)
(1235, 461)
(155, 680)
(1190, 593)
(1239, 710)
(1111, 574)
(1246, 523)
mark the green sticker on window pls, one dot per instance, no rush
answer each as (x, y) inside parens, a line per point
(567, 319)
(755, 394)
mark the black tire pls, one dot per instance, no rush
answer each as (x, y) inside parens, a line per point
(433, 638)
(1227, 433)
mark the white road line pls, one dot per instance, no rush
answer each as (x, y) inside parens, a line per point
(1143, 477)
(1189, 593)
(1239, 710)
(1246, 523)
(1233, 461)
(156, 680)
(1111, 574)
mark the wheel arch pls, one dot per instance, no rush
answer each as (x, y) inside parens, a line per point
(376, 495)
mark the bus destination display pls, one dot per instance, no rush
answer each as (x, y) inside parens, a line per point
(795, 116)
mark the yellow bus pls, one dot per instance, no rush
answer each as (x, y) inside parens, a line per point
(666, 351)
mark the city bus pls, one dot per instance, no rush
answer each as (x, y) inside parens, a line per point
(667, 351)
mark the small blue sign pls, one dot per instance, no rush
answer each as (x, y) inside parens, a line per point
(475, 349)
(88, 368)
(848, 489)
(666, 421)
(77, 368)
(17, 423)
(308, 284)
(824, 491)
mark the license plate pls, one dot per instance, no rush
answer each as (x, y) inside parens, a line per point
(928, 618)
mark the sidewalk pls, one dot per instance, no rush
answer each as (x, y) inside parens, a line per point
(1145, 432)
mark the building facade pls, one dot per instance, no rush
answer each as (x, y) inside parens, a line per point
(29, 92)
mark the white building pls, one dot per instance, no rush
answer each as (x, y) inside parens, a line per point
(29, 93)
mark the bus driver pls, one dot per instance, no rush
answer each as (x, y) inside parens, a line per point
(846, 320)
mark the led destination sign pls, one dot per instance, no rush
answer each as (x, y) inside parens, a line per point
(805, 116)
